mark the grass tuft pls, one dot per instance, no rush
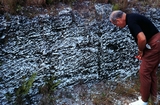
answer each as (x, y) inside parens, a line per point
(23, 90)
(48, 90)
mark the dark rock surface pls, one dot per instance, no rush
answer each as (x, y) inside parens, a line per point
(75, 47)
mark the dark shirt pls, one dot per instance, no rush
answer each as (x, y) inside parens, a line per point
(138, 23)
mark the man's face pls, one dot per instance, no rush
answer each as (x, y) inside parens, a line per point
(120, 23)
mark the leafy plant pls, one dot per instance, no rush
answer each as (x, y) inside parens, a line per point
(19, 7)
(116, 7)
(49, 2)
(25, 87)
(119, 4)
(50, 85)
(22, 91)
(47, 91)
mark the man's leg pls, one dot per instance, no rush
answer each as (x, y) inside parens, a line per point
(155, 82)
(148, 69)
(145, 80)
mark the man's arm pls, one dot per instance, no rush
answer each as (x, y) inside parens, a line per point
(141, 41)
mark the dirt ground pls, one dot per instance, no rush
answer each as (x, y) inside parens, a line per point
(100, 93)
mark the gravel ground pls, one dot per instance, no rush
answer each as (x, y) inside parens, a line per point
(99, 93)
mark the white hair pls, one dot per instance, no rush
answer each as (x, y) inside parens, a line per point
(115, 15)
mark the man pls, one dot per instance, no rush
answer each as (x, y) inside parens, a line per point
(147, 38)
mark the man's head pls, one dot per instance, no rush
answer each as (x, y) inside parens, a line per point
(118, 18)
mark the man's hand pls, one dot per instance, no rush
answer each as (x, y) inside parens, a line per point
(140, 54)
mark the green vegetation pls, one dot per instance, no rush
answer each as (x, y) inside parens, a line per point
(50, 85)
(15, 6)
(23, 90)
(25, 87)
(48, 90)
(21, 93)
(116, 7)
(49, 2)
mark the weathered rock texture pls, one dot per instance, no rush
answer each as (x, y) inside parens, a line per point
(73, 46)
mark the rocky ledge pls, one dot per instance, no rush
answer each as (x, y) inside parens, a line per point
(74, 45)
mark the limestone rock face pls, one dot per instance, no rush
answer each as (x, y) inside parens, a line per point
(75, 47)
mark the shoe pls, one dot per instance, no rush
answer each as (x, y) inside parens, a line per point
(139, 102)
(154, 100)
